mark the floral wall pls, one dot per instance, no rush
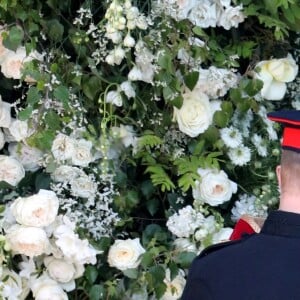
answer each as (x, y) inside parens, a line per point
(133, 134)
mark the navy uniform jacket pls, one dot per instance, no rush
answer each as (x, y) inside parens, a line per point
(264, 266)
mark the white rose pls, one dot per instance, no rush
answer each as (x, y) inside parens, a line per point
(30, 241)
(66, 173)
(59, 269)
(195, 114)
(82, 155)
(125, 254)
(11, 170)
(62, 147)
(174, 287)
(5, 117)
(19, 130)
(222, 236)
(84, 187)
(2, 139)
(231, 17)
(128, 89)
(38, 210)
(114, 97)
(275, 73)
(214, 187)
(13, 62)
(204, 14)
(45, 288)
(28, 156)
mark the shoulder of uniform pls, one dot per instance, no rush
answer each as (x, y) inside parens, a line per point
(222, 245)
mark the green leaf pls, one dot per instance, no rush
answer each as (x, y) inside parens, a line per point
(52, 120)
(91, 274)
(221, 119)
(253, 87)
(153, 231)
(152, 206)
(160, 178)
(14, 38)
(131, 273)
(177, 101)
(33, 96)
(147, 188)
(165, 61)
(62, 94)
(25, 114)
(55, 30)
(184, 259)
(42, 140)
(42, 181)
(96, 292)
(191, 79)
(157, 273)
(148, 259)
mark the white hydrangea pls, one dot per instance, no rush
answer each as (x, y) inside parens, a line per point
(260, 144)
(185, 222)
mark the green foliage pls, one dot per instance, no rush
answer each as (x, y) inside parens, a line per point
(160, 178)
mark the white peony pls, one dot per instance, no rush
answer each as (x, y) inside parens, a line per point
(175, 286)
(82, 155)
(13, 62)
(195, 114)
(28, 156)
(45, 288)
(214, 188)
(231, 17)
(30, 241)
(125, 254)
(11, 170)
(63, 147)
(38, 210)
(5, 116)
(275, 73)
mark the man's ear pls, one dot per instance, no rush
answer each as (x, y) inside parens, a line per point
(278, 173)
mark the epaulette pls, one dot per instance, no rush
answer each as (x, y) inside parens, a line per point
(221, 245)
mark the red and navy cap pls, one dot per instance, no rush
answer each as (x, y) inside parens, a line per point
(290, 119)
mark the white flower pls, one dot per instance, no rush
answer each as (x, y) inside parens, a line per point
(13, 62)
(62, 147)
(222, 236)
(84, 187)
(175, 286)
(11, 287)
(204, 14)
(114, 97)
(231, 17)
(195, 114)
(5, 117)
(74, 249)
(30, 241)
(260, 144)
(214, 188)
(184, 244)
(275, 73)
(27, 267)
(28, 156)
(231, 137)
(128, 89)
(2, 139)
(11, 170)
(38, 210)
(135, 74)
(185, 222)
(115, 37)
(125, 254)
(119, 54)
(207, 228)
(59, 269)
(66, 173)
(240, 156)
(19, 130)
(129, 41)
(125, 133)
(45, 288)
(82, 155)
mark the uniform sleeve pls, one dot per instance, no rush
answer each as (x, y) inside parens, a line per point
(196, 289)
